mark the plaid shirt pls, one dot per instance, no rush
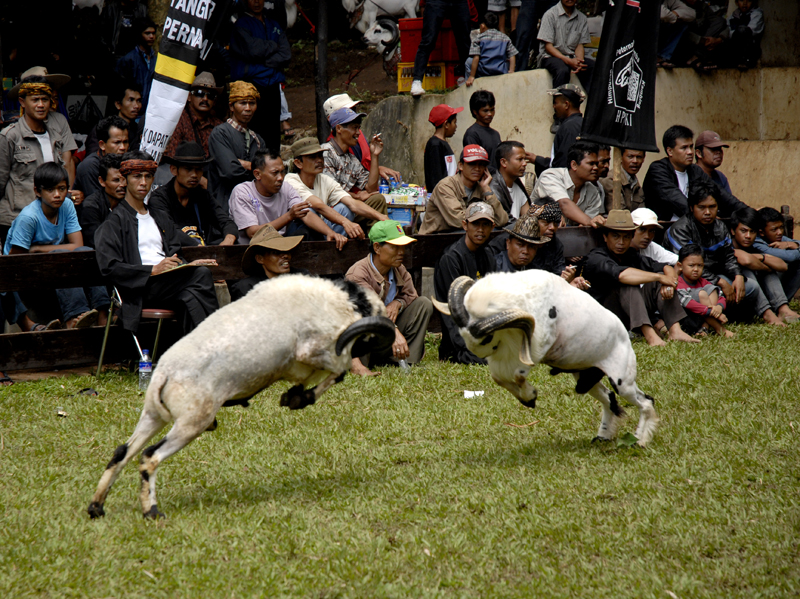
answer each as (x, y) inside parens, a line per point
(249, 134)
(190, 128)
(491, 35)
(345, 168)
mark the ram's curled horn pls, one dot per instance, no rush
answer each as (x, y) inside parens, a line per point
(379, 326)
(441, 306)
(508, 319)
(455, 299)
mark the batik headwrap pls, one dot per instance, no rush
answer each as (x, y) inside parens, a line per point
(37, 89)
(550, 212)
(242, 90)
(128, 167)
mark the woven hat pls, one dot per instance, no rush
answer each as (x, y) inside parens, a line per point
(549, 212)
(266, 237)
(206, 80)
(55, 81)
(527, 229)
(620, 220)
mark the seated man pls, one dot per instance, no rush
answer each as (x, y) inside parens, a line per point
(562, 35)
(137, 251)
(340, 211)
(449, 201)
(701, 226)
(345, 168)
(634, 287)
(41, 227)
(709, 154)
(746, 25)
(518, 248)
(269, 255)
(771, 240)
(267, 200)
(668, 180)
(112, 136)
(491, 52)
(632, 192)
(193, 211)
(99, 205)
(675, 19)
(762, 269)
(469, 256)
(383, 272)
(571, 187)
(646, 226)
(507, 182)
(233, 146)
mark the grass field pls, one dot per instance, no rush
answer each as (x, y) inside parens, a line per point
(399, 487)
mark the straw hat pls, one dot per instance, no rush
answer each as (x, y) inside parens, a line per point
(266, 237)
(55, 81)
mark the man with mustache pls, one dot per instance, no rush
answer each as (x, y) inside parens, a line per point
(194, 212)
(99, 205)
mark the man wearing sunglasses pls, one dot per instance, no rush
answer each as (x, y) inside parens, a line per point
(198, 118)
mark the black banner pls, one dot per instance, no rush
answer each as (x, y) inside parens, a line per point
(621, 107)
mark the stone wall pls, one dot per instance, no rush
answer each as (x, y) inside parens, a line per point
(758, 111)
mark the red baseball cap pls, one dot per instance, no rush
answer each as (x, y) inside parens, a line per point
(439, 114)
(474, 153)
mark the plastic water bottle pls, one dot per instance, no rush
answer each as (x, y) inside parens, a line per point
(392, 183)
(145, 370)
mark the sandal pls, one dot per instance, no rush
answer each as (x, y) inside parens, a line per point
(708, 68)
(665, 64)
(85, 320)
(50, 326)
(5, 380)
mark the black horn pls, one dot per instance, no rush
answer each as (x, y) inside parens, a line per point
(508, 319)
(455, 299)
(380, 328)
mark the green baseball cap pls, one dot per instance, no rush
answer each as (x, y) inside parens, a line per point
(389, 231)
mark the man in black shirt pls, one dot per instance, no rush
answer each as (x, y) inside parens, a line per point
(194, 212)
(567, 101)
(469, 256)
(633, 286)
(99, 205)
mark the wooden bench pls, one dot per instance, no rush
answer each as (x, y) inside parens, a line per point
(78, 347)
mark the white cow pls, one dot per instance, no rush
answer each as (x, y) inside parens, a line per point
(372, 8)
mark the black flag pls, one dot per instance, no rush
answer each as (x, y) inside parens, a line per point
(621, 107)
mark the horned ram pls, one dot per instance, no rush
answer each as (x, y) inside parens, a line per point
(517, 320)
(297, 328)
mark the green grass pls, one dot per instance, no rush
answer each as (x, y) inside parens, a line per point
(399, 487)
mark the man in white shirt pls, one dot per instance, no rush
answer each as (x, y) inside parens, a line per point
(646, 223)
(340, 210)
(137, 251)
(580, 203)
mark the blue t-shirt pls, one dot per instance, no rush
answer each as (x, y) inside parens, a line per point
(31, 227)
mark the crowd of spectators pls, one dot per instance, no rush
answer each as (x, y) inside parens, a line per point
(223, 181)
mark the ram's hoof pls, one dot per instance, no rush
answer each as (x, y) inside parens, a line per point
(530, 403)
(153, 514)
(96, 510)
(297, 398)
(601, 440)
(212, 426)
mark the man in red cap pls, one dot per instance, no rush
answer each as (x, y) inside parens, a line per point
(448, 204)
(708, 153)
(440, 162)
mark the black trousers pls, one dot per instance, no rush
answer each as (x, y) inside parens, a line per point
(437, 11)
(561, 72)
(636, 306)
(190, 290)
(530, 13)
(267, 119)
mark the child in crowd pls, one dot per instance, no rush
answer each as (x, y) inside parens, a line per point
(491, 52)
(772, 241)
(440, 162)
(747, 26)
(482, 107)
(41, 228)
(697, 295)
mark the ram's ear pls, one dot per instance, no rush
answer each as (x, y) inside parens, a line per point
(441, 306)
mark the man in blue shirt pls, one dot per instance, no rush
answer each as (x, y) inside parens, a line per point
(42, 227)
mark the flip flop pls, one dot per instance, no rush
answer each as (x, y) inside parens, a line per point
(50, 326)
(86, 320)
(5, 380)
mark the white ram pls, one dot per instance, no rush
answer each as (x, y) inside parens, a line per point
(295, 327)
(517, 320)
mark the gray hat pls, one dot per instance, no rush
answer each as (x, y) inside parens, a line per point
(206, 80)
(479, 210)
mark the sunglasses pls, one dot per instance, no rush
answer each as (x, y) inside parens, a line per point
(202, 93)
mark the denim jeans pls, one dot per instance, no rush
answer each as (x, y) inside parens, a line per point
(791, 280)
(437, 11)
(345, 212)
(74, 301)
(671, 35)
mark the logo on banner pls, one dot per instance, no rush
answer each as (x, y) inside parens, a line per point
(626, 85)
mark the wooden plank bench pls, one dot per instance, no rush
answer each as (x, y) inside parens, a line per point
(61, 349)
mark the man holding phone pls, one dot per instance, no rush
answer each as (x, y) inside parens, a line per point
(472, 183)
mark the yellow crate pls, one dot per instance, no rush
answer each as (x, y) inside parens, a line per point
(435, 76)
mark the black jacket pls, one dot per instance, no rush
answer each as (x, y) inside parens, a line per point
(664, 197)
(117, 252)
(715, 240)
(603, 268)
(500, 189)
(200, 217)
(96, 209)
(458, 261)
